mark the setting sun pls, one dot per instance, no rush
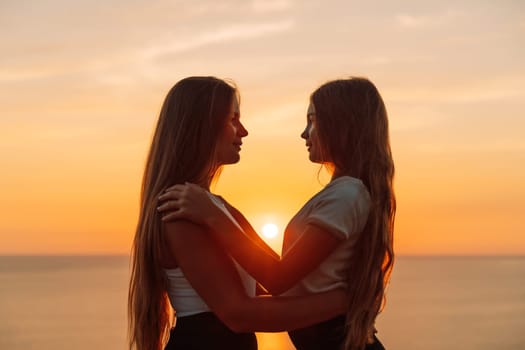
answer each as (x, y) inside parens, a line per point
(270, 230)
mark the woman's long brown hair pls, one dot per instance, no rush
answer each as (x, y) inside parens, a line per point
(182, 149)
(352, 125)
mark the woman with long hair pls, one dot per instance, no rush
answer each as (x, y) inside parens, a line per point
(342, 237)
(177, 270)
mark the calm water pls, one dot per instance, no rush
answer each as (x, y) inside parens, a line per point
(53, 303)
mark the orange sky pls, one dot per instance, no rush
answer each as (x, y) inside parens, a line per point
(81, 86)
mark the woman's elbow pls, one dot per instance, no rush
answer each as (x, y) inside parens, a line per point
(279, 288)
(237, 317)
(280, 281)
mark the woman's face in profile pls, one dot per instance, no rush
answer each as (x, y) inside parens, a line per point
(230, 140)
(310, 135)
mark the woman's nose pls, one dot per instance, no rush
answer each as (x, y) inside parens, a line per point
(304, 134)
(242, 130)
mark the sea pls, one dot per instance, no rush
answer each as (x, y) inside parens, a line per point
(433, 303)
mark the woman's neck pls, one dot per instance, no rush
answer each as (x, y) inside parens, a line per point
(204, 184)
(337, 173)
(205, 180)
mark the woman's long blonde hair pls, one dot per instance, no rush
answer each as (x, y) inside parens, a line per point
(352, 126)
(182, 149)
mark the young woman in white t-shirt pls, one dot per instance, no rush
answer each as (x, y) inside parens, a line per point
(177, 265)
(342, 237)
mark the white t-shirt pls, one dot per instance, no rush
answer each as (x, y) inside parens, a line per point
(341, 208)
(183, 298)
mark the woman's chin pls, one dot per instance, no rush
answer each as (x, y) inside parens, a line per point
(313, 159)
(234, 159)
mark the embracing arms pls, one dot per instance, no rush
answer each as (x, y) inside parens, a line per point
(276, 275)
(212, 274)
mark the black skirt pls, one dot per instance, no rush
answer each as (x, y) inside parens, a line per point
(328, 335)
(205, 331)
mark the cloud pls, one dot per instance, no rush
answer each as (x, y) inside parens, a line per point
(262, 6)
(412, 21)
(222, 35)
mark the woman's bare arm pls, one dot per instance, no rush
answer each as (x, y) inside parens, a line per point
(249, 230)
(276, 275)
(211, 272)
(302, 258)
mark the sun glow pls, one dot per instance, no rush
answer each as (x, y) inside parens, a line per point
(270, 230)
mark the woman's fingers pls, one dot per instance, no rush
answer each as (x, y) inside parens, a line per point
(169, 205)
(174, 193)
(179, 214)
(169, 196)
(172, 216)
(180, 192)
(182, 187)
(177, 187)
(181, 202)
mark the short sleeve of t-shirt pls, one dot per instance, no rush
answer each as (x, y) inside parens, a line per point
(341, 208)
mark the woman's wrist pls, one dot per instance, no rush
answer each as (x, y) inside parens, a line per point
(211, 222)
(213, 218)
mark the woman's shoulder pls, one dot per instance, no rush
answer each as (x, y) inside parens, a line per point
(345, 187)
(341, 207)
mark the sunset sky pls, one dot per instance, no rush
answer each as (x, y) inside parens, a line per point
(82, 82)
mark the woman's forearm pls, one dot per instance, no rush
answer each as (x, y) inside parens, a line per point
(275, 274)
(276, 314)
(264, 267)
